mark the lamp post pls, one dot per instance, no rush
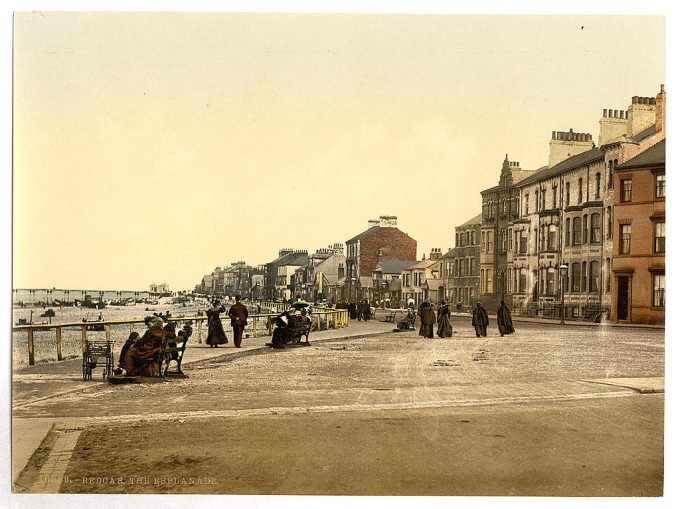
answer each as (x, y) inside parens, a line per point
(352, 288)
(564, 268)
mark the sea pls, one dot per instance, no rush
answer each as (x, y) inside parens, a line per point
(48, 296)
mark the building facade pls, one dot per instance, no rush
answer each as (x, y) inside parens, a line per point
(459, 268)
(560, 247)
(420, 280)
(500, 207)
(381, 241)
(639, 271)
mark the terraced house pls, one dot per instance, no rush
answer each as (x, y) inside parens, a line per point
(459, 267)
(559, 248)
(639, 228)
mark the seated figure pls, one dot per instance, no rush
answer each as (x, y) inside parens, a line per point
(142, 357)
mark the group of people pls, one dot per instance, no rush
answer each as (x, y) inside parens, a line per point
(442, 317)
(428, 318)
(480, 320)
(238, 313)
(357, 311)
(287, 325)
(141, 356)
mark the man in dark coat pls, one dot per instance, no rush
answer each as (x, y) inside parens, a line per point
(504, 320)
(480, 320)
(239, 315)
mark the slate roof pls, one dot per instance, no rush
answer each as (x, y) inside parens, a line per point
(645, 133)
(422, 264)
(656, 154)
(475, 220)
(586, 157)
(393, 266)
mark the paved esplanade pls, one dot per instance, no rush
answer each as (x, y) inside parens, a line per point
(550, 410)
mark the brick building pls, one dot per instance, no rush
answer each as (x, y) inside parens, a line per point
(639, 268)
(381, 241)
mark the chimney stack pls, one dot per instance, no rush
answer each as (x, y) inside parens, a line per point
(388, 221)
(435, 253)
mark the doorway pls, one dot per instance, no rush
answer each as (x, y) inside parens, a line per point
(622, 298)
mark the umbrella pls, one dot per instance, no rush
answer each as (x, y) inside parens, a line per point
(300, 304)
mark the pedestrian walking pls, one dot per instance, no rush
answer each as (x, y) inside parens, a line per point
(427, 320)
(480, 320)
(216, 334)
(444, 329)
(504, 320)
(239, 319)
(366, 310)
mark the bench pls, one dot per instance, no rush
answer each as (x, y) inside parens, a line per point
(297, 329)
(390, 315)
(172, 349)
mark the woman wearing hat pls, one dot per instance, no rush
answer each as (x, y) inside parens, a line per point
(444, 329)
(142, 357)
(216, 334)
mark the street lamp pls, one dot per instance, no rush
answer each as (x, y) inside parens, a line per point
(564, 268)
(352, 288)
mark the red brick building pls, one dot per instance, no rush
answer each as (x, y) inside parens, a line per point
(639, 261)
(381, 241)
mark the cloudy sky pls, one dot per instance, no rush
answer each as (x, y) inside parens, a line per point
(154, 147)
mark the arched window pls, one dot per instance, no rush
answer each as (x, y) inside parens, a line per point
(567, 195)
(597, 185)
(580, 190)
(610, 183)
(594, 280)
(595, 229)
(609, 222)
(567, 233)
(505, 240)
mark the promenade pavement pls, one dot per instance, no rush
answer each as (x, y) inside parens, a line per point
(52, 380)
(364, 368)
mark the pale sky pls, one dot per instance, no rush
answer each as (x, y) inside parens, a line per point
(154, 147)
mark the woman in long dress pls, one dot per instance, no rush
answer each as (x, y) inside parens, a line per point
(427, 320)
(216, 334)
(504, 319)
(444, 329)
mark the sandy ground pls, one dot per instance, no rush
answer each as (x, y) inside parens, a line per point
(514, 450)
